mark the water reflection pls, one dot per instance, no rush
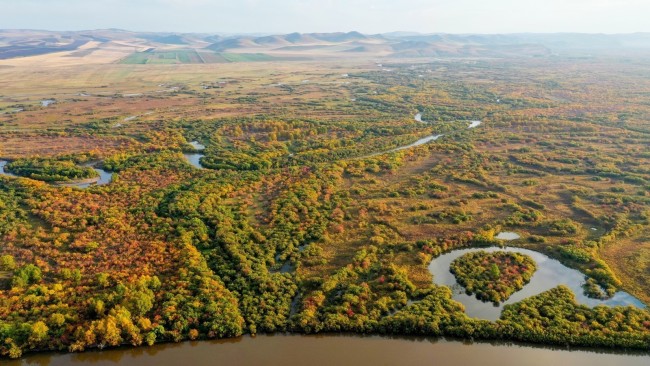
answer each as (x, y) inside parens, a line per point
(195, 158)
(342, 349)
(104, 178)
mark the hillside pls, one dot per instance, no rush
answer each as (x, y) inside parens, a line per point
(27, 43)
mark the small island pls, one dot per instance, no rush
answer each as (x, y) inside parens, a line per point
(51, 171)
(493, 276)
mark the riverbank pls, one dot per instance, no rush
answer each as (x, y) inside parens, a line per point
(93, 180)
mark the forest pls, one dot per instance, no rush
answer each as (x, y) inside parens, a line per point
(50, 170)
(493, 276)
(305, 217)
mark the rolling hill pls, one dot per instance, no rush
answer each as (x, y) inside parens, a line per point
(27, 43)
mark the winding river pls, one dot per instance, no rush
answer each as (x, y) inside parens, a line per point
(424, 140)
(104, 178)
(421, 141)
(472, 124)
(342, 350)
(550, 273)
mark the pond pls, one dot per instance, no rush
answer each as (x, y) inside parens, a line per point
(195, 158)
(550, 273)
(507, 235)
(317, 350)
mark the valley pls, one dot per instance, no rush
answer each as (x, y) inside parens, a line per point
(320, 184)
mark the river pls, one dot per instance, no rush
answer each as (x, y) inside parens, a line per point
(340, 350)
(195, 158)
(105, 177)
(421, 141)
(424, 140)
(2, 169)
(472, 124)
(550, 273)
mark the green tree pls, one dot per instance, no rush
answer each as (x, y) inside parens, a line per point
(27, 275)
(494, 271)
(38, 333)
(7, 263)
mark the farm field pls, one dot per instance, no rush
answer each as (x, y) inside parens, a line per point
(191, 57)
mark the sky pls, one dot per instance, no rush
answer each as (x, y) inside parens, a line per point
(366, 16)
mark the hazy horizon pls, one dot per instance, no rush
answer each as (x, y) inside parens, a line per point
(365, 16)
(261, 34)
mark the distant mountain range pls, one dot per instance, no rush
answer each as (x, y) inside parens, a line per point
(24, 43)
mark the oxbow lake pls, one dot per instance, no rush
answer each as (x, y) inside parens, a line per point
(550, 274)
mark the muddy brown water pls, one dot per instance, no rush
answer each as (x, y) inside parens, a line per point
(283, 350)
